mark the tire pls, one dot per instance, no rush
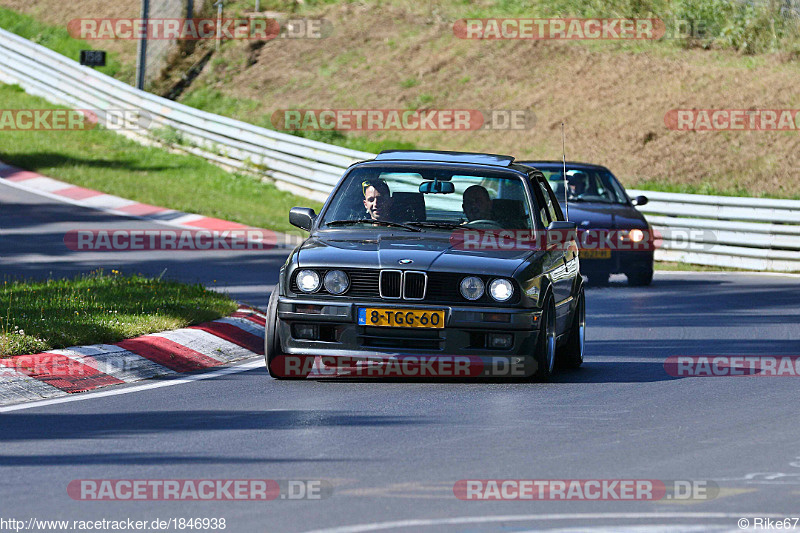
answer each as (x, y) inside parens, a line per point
(545, 351)
(272, 342)
(599, 279)
(571, 354)
(640, 279)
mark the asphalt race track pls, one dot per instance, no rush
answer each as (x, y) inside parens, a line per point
(393, 450)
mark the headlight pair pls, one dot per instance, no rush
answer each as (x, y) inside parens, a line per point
(472, 288)
(336, 281)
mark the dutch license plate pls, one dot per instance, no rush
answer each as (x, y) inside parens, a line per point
(400, 318)
(594, 254)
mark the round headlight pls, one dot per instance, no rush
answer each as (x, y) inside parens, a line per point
(501, 289)
(307, 280)
(336, 282)
(636, 235)
(472, 288)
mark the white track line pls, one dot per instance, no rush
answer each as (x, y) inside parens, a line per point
(422, 522)
(224, 371)
(727, 272)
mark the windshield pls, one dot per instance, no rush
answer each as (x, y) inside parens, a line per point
(586, 185)
(429, 198)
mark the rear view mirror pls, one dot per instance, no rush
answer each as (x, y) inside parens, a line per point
(302, 217)
(640, 200)
(437, 187)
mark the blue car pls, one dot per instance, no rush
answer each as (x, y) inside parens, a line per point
(597, 201)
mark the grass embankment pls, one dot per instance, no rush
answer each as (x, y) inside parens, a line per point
(103, 160)
(56, 38)
(99, 308)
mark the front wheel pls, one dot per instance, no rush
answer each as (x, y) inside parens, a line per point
(545, 352)
(277, 365)
(571, 355)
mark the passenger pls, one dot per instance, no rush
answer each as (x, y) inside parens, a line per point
(477, 204)
(377, 199)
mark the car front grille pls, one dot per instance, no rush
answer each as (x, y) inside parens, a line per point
(432, 287)
(363, 283)
(414, 288)
(391, 284)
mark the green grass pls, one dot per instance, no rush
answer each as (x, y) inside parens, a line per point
(687, 267)
(753, 27)
(56, 38)
(99, 308)
(103, 160)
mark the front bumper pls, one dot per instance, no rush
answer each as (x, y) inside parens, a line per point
(466, 331)
(620, 262)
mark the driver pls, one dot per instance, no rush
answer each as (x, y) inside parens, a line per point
(476, 203)
(377, 199)
(576, 183)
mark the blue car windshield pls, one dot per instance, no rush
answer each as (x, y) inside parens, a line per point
(430, 198)
(586, 185)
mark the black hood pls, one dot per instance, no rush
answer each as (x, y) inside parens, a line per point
(428, 251)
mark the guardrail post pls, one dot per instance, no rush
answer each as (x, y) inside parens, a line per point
(142, 60)
(219, 5)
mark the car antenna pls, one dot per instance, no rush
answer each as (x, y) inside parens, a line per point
(564, 159)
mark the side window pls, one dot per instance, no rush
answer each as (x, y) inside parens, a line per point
(559, 214)
(548, 200)
(541, 213)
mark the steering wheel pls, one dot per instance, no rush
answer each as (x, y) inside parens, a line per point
(483, 224)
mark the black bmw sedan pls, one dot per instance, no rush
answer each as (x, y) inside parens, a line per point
(599, 205)
(415, 265)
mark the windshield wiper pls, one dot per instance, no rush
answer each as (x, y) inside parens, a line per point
(371, 221)
(426, 224)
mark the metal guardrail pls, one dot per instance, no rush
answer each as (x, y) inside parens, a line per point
(750, 233)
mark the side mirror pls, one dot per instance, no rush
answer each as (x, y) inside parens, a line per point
(302, 217)
(560, 233)
(640, 200)
(562, 225)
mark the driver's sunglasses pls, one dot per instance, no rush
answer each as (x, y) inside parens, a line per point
(366, 184)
